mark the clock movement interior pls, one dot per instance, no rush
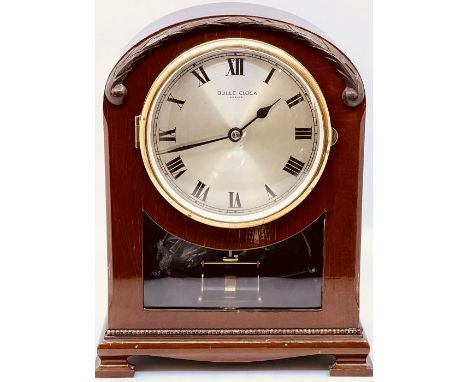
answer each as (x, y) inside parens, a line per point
(179, 274)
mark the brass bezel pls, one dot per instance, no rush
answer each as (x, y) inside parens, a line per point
(241, 43)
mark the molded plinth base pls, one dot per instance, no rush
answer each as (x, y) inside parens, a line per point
(118, 367)
(351, 367)
(350, 351)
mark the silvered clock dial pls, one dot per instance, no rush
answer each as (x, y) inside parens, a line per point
(235, 133)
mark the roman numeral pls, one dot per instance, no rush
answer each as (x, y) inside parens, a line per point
(236, 67)
(234, 202)
(294, 166)
(269, 75)
(294, 100)
(176, 167)
(198, 191)
(270, 192)
(303, 133)
(202, 77)
(168, 135)
(178, 102)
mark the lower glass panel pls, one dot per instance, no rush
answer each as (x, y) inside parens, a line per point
(179, 274)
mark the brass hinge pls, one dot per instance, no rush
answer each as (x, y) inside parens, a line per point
(334, 136)
(137, 131)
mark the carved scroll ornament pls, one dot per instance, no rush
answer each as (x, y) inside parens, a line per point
(352, 95)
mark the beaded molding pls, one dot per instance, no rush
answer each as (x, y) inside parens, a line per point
(229, 332)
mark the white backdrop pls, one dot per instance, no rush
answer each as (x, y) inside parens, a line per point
(47, 185)
(348, 23)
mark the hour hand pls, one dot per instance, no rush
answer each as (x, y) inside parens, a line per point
(192, 145)
(261, 113)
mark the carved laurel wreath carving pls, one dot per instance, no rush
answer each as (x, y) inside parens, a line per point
(229, 332)
(352, 95)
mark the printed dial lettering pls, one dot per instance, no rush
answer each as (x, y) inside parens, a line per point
(201, 75)
(293, 101)
(236, 66)
(178, 102)
(294, 166)
(169, 135)
(176, 167)
(267, 80)
(234, 200)
(269, 191)
(201, 191)
(303, 133)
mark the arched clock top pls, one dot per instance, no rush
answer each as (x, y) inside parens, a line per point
(352, 95)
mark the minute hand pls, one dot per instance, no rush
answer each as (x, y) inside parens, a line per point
(192, 145)
(261, 113)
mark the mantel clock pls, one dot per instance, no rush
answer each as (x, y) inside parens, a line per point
(234, 156)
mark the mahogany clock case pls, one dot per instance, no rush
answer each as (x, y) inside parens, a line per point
(242, 334)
